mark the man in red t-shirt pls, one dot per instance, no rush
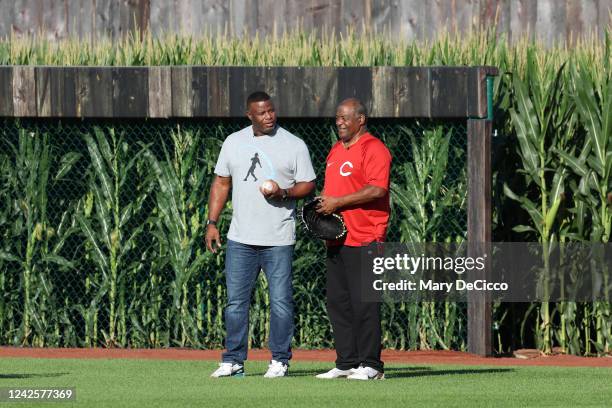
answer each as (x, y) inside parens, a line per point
(356, 186)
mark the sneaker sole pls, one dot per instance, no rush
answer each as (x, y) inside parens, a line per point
(376, 377)
(331, 378)
(237, 374)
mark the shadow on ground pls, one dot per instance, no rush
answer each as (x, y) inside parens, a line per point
(407, 372)
(23, 376)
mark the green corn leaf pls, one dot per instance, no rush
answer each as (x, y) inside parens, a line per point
(63, 237)
(102, 214)
(577, 165)
(528, 205)
(596, 165)
(523, 228)
(67, 162)
(103, 146)
(552, 105)
(132, 239)
(126, 214)
(580, 216)
(528, 116)
(98, 254)
(510, 194)
(597, 231)
(125, 169)
(586, 150)
(534, 213)
(5, 256)
(583, 187)
(528, 151)
(59, 260)
(557, 187)
(99, 168)
(592, 181)
(586, 102)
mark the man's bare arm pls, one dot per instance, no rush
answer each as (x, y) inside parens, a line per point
(301, 189)
(219, 192)
(364, 195)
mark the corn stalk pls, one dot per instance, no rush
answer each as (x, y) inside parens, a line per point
(31, 245)
(592, 94)
(110, 233)
(542, 118)
(182, 178)
(425, 200)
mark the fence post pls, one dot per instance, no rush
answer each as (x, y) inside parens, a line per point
(479, 229)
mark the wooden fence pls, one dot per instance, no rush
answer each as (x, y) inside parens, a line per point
(199, 91)
(549, 20)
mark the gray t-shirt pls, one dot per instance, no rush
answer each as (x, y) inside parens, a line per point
(250, 160)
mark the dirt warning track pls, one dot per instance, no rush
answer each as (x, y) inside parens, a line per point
(388, 356)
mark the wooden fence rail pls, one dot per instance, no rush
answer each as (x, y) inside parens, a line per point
(199, 91)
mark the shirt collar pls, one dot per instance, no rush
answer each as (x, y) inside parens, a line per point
(274, 132)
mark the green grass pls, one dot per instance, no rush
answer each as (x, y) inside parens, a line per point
(136, 383)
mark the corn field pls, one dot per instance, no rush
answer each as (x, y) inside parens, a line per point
(121, 217)
(102, 235)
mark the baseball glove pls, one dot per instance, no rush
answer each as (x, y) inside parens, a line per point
(330, 227)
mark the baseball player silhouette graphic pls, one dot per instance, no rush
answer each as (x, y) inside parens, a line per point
(254, 161)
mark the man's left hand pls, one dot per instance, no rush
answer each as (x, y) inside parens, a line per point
(328, 205)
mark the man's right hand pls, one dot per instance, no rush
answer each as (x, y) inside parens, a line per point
(213, 240)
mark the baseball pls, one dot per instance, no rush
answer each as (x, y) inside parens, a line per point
(267, 186)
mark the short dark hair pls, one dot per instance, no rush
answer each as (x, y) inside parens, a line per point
(360, 108)
(257, 96)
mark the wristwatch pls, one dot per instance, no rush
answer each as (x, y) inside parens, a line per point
(211, 222)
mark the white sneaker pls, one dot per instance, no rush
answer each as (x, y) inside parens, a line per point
(229, 370)
(366, 373)
(276, 369)
(335, 373)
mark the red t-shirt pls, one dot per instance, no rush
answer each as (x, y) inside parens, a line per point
(368, 161)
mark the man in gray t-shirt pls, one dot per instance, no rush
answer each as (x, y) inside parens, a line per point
(267, 169)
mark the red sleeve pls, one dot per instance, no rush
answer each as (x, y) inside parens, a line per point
(377, 164)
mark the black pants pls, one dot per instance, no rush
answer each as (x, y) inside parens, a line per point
(355, 324)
